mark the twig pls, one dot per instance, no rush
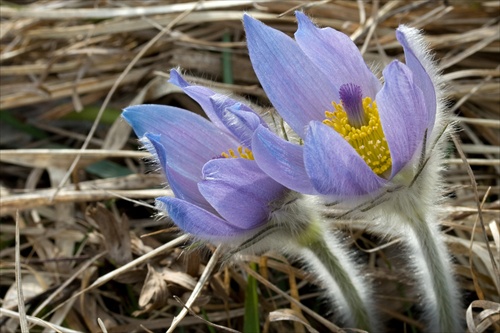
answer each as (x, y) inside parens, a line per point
(37, 321)
(224, 328)
(19, 284)
(197, 289)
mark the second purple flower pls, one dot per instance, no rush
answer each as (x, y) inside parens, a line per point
(220, 192)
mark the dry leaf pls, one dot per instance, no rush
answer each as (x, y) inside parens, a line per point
(489, 316)
(31, 288)
(291, 315)
(115, 232)
(154, 293)
(182, 279)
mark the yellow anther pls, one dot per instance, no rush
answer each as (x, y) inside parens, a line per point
(368, 140)
(242, 153)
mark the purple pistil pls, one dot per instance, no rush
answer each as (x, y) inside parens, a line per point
(351, 97)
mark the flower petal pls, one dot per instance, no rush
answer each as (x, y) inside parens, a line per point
(195, 220)
(184, 186)
(199, 93)
(296, 87)
(240, 191)
(402, 114)
(177, 79)
(240, 120)
(336, 55)
(333, 165)
(416, 58)
(189, 139)
(206, 97)
(282, 160)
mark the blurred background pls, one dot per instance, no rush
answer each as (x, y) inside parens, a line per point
(79, 192)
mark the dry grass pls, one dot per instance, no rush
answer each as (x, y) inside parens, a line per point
(91, 258)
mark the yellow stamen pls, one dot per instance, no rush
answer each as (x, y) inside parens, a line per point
(242, 153)
(368, 140)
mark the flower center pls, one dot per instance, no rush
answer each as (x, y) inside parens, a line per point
(242, 153)
(358, 121)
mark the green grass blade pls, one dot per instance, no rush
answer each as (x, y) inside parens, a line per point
(251, 322)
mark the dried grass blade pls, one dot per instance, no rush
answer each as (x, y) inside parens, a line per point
(291, 315)
(331, 326)
(104, 13)
(38, 321)
(41, 158)
(112, 91)
(493, 312)
(197, 289)
(496, 235)
(473, 161)
(9, 204)
(107, 28)
(101, 325)
(493, 123)
(494, 264)
(20, 298)
(66, 283)
(203, 319)
(469, 51)
(142, 259)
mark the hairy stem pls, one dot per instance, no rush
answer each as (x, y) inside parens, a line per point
(333, 265)
(434, 270)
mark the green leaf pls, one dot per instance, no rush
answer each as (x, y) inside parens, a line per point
(36, 133)
(107, 169)
(89, 113)
(210, 328)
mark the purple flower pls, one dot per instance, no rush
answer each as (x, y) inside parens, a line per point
(358, 135)
(220, 192)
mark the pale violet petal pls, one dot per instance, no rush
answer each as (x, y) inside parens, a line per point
(415, 57)
(298, 89)
(240, 191)
(189, 139)
(197, 221)
(183, 185)
(177, 79)
(282, 160)
(201, 95)
(402, 114)
(212, 103)
(239, 120)
(334, 167)
(336, 55)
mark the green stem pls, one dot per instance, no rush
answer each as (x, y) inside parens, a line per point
(435, 272)
(340, 276)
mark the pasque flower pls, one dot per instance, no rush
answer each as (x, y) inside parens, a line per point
(220, 192)
(362, 140)
(359, 135)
